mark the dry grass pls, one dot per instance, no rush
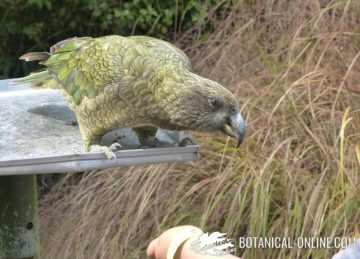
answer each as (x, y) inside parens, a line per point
(295, 67)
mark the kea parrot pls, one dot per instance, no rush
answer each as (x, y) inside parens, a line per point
(140, 82)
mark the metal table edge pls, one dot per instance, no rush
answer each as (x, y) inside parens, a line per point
(91, 161)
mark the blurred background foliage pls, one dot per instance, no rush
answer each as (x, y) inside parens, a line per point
(35, 25)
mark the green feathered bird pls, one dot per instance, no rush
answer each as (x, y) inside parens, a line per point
(140, 82)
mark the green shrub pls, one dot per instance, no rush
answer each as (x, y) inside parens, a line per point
(34, 25)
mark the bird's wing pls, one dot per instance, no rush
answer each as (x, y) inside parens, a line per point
(166, 49)
(84, 66)
(148, 63)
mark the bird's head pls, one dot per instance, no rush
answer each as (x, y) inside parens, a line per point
(205, 105)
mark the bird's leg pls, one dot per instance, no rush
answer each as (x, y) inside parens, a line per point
(146, 136)
(93, 145)
(92, 141)
(108, 151)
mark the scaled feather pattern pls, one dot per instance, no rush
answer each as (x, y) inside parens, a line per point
(140, 82)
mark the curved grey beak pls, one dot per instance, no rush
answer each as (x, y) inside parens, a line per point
(235, 128)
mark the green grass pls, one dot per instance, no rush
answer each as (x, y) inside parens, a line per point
(295, 68)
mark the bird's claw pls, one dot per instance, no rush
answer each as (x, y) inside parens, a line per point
(115, 146)
(107, 151)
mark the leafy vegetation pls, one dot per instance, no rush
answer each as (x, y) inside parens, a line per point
(35, 25)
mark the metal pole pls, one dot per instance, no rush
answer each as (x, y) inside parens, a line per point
(18, 217)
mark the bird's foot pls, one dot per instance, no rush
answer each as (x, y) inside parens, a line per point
(186, 142)
(108, 151)
(115, 146)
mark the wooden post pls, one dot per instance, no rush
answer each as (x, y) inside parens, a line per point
(19, 236)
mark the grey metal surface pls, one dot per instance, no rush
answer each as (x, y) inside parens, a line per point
(36, 137)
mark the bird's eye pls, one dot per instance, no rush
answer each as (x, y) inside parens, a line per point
(233, 110)
(214, 103)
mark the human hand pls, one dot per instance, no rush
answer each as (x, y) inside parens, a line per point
(178, 241)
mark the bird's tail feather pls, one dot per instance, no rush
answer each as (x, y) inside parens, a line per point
(36, 77)
(33, 56)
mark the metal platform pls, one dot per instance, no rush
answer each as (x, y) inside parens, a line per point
(37, 137)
